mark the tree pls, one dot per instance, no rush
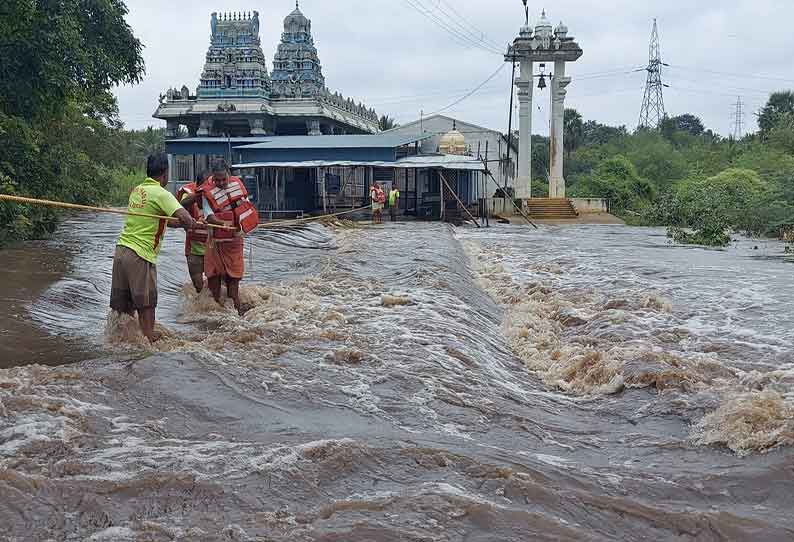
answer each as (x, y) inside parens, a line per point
(594, 133)
(574, 130)
(687, 123)
(59, 122)
(778, 105)
(386, 123)
(54, 51)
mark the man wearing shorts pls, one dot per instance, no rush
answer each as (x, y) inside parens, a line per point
(195, 241)
(134, 284)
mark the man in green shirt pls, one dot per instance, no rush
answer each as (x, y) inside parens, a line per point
(134, 284)
(394, 202)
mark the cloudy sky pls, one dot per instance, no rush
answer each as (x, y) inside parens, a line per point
(397, 55)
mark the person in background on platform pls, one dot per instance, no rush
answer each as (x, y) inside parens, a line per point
(394, 202)
(378, 198)
(195, 240)
(134, 283)
(224, 260)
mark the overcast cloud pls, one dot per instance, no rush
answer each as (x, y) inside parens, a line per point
(386, 53)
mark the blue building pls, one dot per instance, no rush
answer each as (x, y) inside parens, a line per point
(293, 175)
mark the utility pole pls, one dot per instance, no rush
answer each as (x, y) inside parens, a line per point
(652, 111)
(738, 121)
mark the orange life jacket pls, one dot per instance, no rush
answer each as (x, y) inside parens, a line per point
(231, 204)
(380, 195)
(199, 235)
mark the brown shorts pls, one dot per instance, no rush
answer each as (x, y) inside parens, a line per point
(134, 283)
(195, 265)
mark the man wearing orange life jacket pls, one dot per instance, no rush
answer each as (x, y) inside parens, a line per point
(378, 198)
(225, 203)
(195, 240)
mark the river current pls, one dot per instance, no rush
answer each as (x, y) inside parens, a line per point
(410, 382)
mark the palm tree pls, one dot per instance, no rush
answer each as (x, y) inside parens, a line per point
(386, 123)
(574, 130)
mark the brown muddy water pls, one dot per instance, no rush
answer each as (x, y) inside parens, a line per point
(404, 383)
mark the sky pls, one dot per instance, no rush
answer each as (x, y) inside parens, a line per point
(404, 57)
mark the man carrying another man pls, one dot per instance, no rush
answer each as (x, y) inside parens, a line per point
(134, 283)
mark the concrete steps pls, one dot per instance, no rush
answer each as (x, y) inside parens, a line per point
(551, 209)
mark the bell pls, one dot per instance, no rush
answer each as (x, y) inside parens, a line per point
(542, 82)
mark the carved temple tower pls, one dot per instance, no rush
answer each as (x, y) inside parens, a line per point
(237, 97)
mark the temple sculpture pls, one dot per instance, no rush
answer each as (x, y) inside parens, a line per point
(237, 97)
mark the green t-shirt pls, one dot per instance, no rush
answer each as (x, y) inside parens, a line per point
(141, 234)
(197, 248)
(393, 196)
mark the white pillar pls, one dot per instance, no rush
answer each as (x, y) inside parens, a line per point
(557, 154)
(523, 185)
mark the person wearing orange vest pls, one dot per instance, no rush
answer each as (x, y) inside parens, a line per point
(195, 240)
(378, 197)
(225, 203)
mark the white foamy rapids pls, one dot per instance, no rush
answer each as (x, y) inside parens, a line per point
(581, 341)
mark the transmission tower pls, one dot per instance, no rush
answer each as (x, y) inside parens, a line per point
(738, 121)
(652, 111)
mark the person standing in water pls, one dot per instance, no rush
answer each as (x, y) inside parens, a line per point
(195, 240)
(378, 198)
(134, 282)
(223, 197)
(394, 202)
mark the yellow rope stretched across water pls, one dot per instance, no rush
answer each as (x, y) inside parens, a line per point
(310, 219)
(63, 205)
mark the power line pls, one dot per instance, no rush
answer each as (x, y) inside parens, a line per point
(652, 111)
(463, 38)
(471, 28)
(472, 92)
(743, 76)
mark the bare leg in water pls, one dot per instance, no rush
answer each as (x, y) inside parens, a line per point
(232, 292)
(146, 322)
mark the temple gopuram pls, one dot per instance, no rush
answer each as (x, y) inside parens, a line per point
(238, 98)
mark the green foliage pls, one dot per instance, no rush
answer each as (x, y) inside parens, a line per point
(779, 104)
(573, 128)
(688, 124)
(59, 129)
(617, 180)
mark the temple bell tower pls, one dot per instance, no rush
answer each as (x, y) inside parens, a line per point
(552, 45)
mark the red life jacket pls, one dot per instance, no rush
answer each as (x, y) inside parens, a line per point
(199, 235)
(231, 204)
(379, 195)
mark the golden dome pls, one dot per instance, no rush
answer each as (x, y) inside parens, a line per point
(452, 142)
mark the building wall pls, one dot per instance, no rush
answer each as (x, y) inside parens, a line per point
(477, 138)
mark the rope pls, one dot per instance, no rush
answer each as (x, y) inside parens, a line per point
(49, 203)
(310, 219)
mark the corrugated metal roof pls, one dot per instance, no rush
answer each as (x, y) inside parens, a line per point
(467, 163)
(223, 140)
(337, 141)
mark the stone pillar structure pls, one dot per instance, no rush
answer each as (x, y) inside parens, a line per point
(523, 184)
(557, 135)
(205, 126)
(257, 126)
(313, 127)
(172, 129)
(542, 44)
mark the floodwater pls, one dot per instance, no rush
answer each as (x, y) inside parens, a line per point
(411, 382)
